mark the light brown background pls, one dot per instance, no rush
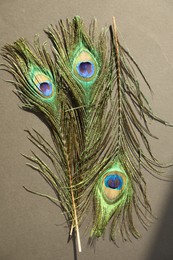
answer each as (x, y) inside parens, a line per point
(33, 228)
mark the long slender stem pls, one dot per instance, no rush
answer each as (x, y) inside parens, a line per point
(74, 208)
(117, 50)
(118, 81)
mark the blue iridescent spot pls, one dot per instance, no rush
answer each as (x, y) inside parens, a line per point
(85, 69)
(113, 181)
(45, 88)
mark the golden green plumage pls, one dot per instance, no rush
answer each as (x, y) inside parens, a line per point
(97, 114)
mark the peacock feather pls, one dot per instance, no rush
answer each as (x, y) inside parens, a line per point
(89, 96)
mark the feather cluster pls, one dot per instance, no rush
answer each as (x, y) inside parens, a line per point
(89, 96)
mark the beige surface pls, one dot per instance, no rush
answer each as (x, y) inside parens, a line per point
(33, 228)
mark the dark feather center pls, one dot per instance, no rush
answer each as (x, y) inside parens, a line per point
(114, 184)
(85, 69)
(46, 88)
(113, 181)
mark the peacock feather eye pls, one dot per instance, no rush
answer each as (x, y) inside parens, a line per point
(113, 190)
(114, 181)
(113, 184)
(45, 87)
(42, 81)
(43, 84)
(85, 67)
